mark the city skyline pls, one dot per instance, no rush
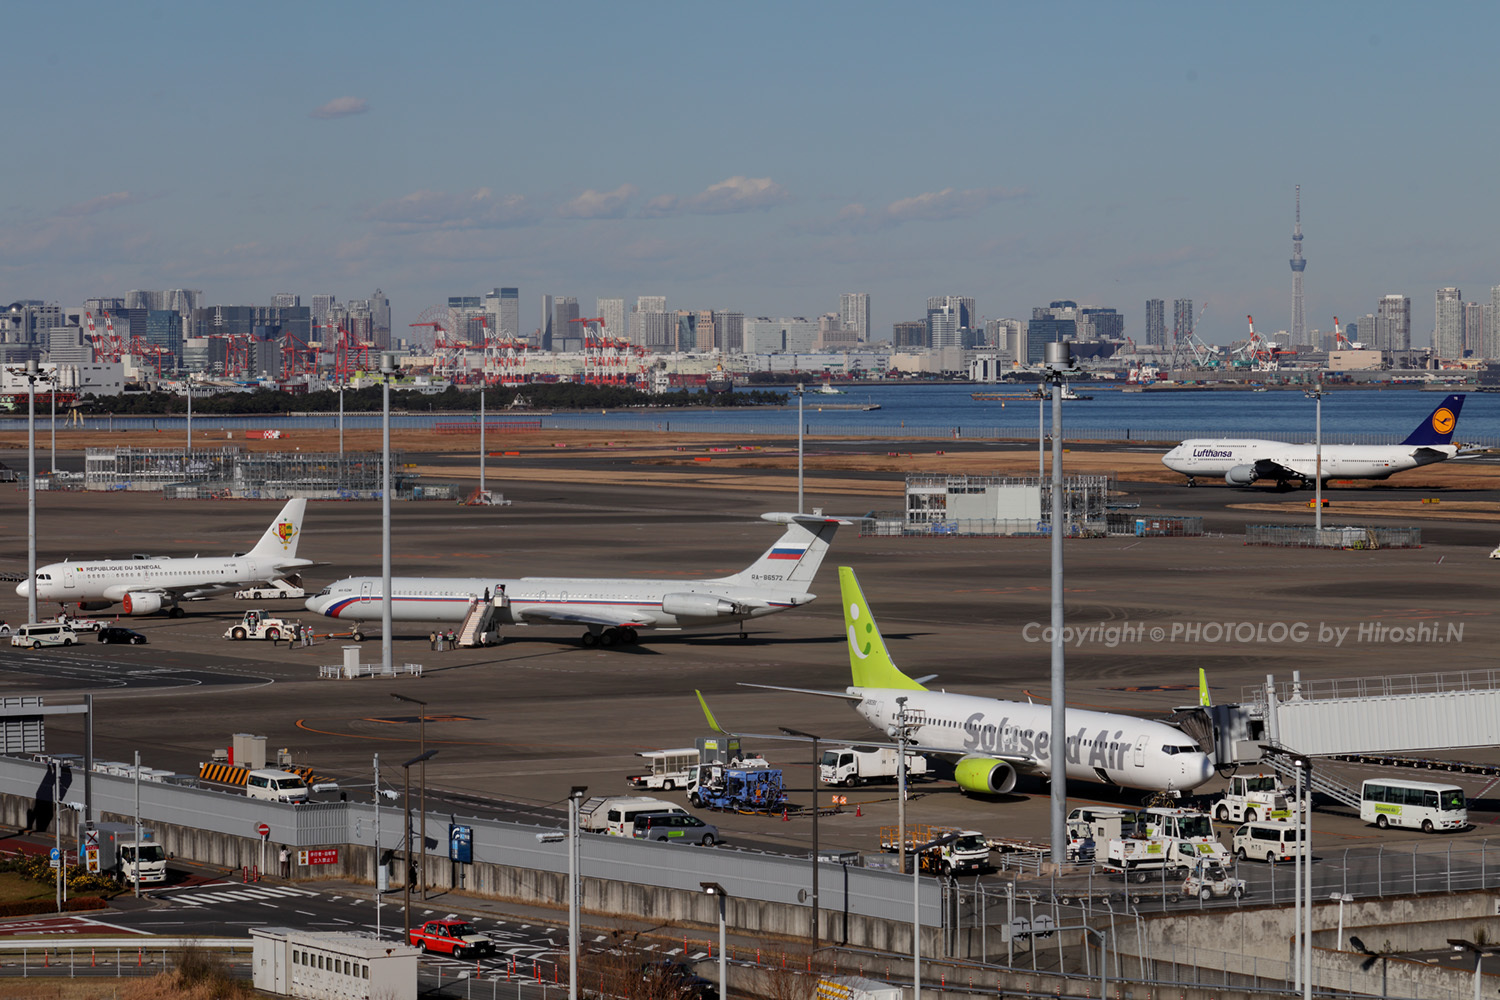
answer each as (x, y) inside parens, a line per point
(267, 151)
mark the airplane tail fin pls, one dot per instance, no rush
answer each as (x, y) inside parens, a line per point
(285, 532)
(1203, 699)
(870, 664)
(793, 559)
(1439, 426)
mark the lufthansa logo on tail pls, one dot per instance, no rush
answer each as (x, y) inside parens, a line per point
(1443, 420)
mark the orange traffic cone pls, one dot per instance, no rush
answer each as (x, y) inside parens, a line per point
(858, 811)
(784, 817)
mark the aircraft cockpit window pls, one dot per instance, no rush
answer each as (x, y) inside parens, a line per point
(1174, 750)
(324, 592)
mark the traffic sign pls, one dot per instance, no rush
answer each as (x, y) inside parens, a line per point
(52, 857)
(263, 830)
(91, 853)
(91, 838)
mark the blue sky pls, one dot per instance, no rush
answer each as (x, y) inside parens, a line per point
(761, 158)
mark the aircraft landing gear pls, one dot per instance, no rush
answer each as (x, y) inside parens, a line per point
(1192, 481)
(589, 640)
(628, 637)
(176, 612)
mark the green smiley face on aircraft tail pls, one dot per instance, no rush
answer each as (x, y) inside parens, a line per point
(869, 662)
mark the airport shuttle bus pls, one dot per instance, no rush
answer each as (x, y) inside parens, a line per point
(1421, 805)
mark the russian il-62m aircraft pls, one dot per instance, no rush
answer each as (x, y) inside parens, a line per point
(1245, 461)
(992, 741)
(611, 610)
(145, 585)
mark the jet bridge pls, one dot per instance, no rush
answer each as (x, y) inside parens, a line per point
(1398, 713)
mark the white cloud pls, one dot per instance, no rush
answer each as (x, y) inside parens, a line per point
(103, 203)
(439, 209)
(737, 194)
(932, 206)
(599, 204)
(341, 107)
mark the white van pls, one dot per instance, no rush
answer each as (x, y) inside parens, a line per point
(620, 820)
(38, 634)
(1270, 842)
(277, 786)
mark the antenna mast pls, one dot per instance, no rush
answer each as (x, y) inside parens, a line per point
(1298, 266)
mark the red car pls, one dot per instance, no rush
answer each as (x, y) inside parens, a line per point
(451, 937)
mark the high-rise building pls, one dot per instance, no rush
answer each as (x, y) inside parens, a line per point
(543, 339)
(380, 318)
(833, 335)
(649, 326)
(854, 314)
(708, 335)
(1393, 324)
(567, 335)
(321, 306)
(1096, 324)
(729, 331)
(613, 313)
(1001, 333)
(1058, 321)
(912, 333)
(1492, 334)
(1448, 330)
(944, 324)
(1182, 322)
(1474, 327)
(508, 314)
(958, 311)
(285, 300)
(1156, 323)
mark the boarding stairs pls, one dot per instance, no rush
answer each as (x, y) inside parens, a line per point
(1318, 779)
(478, 618)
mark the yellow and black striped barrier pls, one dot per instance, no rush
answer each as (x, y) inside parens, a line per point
(224, 774)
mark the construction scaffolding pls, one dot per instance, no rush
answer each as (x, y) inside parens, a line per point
(232, 472)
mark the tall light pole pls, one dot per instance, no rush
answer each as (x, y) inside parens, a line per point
(1041, 433)
(341, 432)
(815, 742)
(386, 369)
(406, 836)
(717, 890)
(1460, 944)
(190, 414)
(421, 778)
(575, 799)
(902, 731)
(481, 437)
(1302, 895)
(1316, 392)
(800, 426)
(916, 898)
(32, 376)
(1058, 365)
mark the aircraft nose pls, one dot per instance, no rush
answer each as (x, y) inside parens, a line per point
(314, 604)
(24, 588)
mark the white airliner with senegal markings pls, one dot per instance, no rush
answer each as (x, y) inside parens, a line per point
(612, 611)
(993, 741)
(1244, 461)
(145, 585)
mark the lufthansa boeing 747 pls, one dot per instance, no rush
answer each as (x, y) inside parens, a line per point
(1246, 461)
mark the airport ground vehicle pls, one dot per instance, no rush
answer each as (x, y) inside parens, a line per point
(1272, 842)
(113, 633)
(1089, 827)
(858, 765)
(35, 635)
(673, 826)
(1209, 879)
(966, 855)
(119, 848)
(744, 788)
(1250, 797)
(1174, 839)
(276, 785)
(613, 814)
(259, 625)
(78, 624)
(1421, 805)
(669, 769)
(451, 937)
(270, 591)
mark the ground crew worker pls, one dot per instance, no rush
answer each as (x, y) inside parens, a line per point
(286, 862)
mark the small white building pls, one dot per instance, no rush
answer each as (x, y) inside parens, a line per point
(332, 966)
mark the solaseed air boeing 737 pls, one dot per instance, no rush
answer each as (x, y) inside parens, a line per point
(1244, 461)
(146, 584)
(993, 741)
(611, 610)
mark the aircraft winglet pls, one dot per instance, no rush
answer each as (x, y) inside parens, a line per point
(709, 715)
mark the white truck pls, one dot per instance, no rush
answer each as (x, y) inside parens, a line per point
(1171, 839)
(1252, 797)
(670, 769)
(271, 591)
(858, 765)
(614, 814)
(259, 625)
(1091, 827)
(119, 850)
(968, 853)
